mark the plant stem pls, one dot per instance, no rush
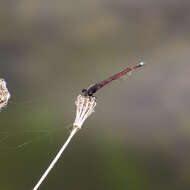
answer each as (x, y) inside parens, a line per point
(73, 132)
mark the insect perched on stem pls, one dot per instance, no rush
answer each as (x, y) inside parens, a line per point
(85, 105)
(94, 88)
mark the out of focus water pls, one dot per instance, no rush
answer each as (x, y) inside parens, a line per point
(138, 138)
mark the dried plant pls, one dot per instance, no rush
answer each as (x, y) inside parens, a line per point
(85, 105)
(84, 108)
(4, 94)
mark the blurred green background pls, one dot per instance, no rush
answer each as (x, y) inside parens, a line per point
(139, 136)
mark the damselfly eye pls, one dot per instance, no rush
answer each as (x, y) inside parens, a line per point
(84, 90)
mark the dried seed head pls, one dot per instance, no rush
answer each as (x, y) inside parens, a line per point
(84, 108)
(4, 93)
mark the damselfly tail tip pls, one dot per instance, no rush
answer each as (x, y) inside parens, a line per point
(140, 64)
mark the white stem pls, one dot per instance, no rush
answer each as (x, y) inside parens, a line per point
(73, 132)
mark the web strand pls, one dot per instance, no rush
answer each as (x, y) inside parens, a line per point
(41, 134)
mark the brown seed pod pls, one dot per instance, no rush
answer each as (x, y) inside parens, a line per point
(4, 94)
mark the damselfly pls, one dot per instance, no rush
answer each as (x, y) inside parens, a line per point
(95, 87)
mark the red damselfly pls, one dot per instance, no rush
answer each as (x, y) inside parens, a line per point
(95, 87)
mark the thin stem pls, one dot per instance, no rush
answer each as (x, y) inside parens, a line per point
(73, 132)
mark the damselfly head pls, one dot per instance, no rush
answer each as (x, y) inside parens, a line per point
(90, 90)
(84, 92)
(4, 94)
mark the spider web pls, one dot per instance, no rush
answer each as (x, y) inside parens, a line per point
(34, 136)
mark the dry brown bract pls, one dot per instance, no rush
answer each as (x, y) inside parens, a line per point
(4, 94)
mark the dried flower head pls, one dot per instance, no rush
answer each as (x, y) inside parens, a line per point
(84, 108)
(4, 94)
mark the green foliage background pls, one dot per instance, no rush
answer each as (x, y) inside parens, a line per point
(138, 138)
